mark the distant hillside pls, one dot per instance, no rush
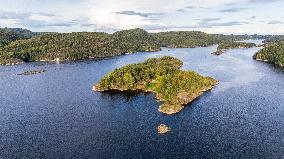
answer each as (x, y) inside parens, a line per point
(21, 45)
(135, 40)
(80, 45)
(272, 54)
(8, 35)
(273, 39)
(184, 39)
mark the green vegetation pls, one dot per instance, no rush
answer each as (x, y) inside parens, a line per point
(80, 45)
(272, 54)
(223, 47)
(20, 45)
(270, 39)
(8, 35)
(174, 87)
(185, 39)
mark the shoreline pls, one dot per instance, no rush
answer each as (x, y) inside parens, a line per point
(167, 111)
(222, 51)
(90, 58)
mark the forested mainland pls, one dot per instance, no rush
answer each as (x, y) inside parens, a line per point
(78, 45)
(21, 45)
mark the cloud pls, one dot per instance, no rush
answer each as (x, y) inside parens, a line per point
(232, 10)
(35, 20)
(127, 14)
(145, 15)
(205, 23)
(187, 8)
(216, 22)
(40, 24)
(221, 24)
(112, 15)
(253, 17)
(190, 7)
(275, 22)
(262, 1)
(88, 25)
(21, 15)
(8, 22)
(210, 19)
(12, 15)
(180, 10)
(231, 23)
(42, 16)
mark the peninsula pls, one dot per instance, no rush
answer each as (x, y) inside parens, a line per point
(224, 46)
(273, 53)
(173, 87)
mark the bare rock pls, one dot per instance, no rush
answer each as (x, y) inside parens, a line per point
(162, 129)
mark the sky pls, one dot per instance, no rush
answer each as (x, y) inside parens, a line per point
(210, 16)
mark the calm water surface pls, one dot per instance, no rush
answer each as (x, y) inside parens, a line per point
(56, 114)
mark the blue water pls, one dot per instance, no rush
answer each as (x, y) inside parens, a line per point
(56, 114)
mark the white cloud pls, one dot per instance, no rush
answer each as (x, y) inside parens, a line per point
(154, 15)
(103, 13)
(41, 17)
(8, 22)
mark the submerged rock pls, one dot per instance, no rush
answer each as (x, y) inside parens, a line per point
(27, 73)
(162, 129)
(219, 52)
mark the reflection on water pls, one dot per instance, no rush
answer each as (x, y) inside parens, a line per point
(57, 115)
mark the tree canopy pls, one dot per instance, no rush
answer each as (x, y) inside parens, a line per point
(79, 45)
(163, 76)
(21, 45)
(8, 35)
(273, 53)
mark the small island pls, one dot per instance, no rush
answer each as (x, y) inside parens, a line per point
(223, 47)
(173, 87)
(163, 129)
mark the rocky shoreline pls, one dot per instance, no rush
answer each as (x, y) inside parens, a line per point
(12, 62)
(222, 51)
(184, 97)
(163, 129)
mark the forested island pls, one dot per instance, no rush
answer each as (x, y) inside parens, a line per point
(273, 53)
(224, 46)
(162, 76)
